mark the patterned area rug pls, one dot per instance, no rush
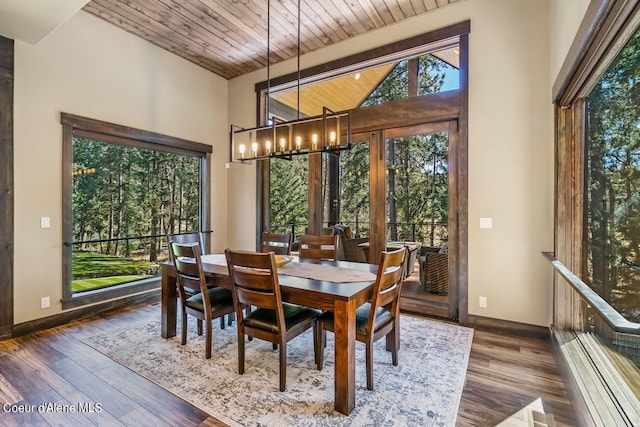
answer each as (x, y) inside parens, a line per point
(423, 390)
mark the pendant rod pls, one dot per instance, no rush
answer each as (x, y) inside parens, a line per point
(298, 59)
(268, 59)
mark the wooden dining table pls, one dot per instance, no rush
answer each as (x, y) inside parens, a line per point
(343, 298)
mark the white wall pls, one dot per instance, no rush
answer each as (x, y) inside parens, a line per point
(510, 148)
(565, 17)
(91, 68)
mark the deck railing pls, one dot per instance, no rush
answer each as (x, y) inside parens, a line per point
(431, 234)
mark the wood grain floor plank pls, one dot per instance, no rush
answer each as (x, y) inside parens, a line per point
(148, 395)
(505, 374)
(143, 418)
(112, 400)
(36, 393)
(8, 394)
(32, 419)
(30, 362)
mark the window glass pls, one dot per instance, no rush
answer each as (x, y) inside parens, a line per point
(288, 195)
(439, 71)
(612, 200)
(354, 188)
(124, 201)
(435, 72)
(417, 188)
(613, 184)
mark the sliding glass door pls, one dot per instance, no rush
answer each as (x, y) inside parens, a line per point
(420, 210)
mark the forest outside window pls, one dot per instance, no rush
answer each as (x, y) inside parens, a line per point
(125, 195)
(432, 72)
(612, 208)
(612, 176)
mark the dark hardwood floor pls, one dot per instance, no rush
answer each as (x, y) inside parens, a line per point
(506, 373)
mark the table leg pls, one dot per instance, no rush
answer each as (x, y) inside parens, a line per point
(168, 304)
(345, 356)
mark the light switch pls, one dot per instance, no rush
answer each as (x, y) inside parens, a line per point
(45, 222)
(486, 222)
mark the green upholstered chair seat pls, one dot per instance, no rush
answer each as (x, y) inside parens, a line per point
(294, 315)
(219, 297)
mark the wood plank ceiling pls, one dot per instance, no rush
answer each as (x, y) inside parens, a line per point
(229, 37)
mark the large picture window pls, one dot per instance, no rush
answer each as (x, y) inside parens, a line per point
(612, 175)
(425, 74)
(125, 195)
(596, 309)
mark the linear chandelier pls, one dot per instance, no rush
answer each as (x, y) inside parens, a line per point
(329, 132)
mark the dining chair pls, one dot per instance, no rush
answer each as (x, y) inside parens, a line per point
(318, 247)
(200, 239)
(188, 238)
(380, 317)
(255, 283)
(203, 302)
(279, 244)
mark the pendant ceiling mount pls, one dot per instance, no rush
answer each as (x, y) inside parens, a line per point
(329, 132)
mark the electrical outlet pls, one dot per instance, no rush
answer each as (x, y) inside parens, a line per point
(482, 302)
(486, 222)
(45, 302)
(45, 222)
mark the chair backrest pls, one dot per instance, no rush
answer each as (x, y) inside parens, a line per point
(189, 272)
(280, 244)
(318, 247)
(254, 280)
(188, 238)
(388, 283)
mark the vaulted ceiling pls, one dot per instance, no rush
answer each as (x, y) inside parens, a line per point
(229, 37)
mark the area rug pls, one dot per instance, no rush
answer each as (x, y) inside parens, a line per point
(423, 390)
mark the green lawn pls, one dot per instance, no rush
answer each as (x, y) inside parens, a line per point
(92, 270)
(88, 284)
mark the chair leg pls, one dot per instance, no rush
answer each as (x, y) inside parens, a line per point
(208, 339)
(231, 318)
(221, 322)
(393, 340)
(394, 335)
(283, 365)
(199, 322)
(319, 344)
(248, 312)
(316, 342)
(369, 357)
(274, 345)
(183, 335)
(240, 352)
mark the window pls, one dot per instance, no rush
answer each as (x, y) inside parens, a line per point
(595, 316)
(127, 190)
(612, 179)
(288, 199)
(612, 192)
(420, 75)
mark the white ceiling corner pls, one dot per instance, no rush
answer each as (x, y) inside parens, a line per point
(31, 20)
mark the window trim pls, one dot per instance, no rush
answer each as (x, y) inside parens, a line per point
(73, 125)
